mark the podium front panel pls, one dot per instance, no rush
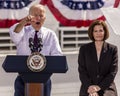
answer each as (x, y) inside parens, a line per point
(16, 63)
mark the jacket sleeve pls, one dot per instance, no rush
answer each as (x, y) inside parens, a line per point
(107, 81)
(83, 75)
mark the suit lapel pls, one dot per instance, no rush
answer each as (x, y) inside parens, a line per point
(94, 53)
(103, 51)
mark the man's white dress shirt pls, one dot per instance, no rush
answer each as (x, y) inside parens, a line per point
(49, 40)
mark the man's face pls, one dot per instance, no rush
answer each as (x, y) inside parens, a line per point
(39, 17)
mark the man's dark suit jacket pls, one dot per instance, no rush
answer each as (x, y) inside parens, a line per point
(94, 72)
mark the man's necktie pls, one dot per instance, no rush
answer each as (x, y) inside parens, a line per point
(36, 40)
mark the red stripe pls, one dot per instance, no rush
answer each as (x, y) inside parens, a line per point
(43, 2)
(7, 23)
(116, 3)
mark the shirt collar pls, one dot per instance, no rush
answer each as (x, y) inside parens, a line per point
(33, 30)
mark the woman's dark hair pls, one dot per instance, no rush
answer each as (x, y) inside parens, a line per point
(91, 28)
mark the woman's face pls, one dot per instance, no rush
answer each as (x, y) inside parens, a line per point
(98, 33)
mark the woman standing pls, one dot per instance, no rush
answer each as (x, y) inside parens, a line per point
(98, 63)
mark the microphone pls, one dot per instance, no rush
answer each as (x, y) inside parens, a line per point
(31, 44)
(40, 45)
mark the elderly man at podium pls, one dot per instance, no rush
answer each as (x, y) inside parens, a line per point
(23, 34)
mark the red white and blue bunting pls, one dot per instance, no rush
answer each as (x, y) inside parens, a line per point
(11, 11)
(68, 12)
(79, 12)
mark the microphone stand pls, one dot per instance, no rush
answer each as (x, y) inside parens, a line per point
(33, 48)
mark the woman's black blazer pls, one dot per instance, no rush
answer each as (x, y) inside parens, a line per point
(94, 72)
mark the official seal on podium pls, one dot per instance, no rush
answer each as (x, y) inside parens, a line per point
(36, 62)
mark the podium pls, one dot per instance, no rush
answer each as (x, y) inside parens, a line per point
(35, 80)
